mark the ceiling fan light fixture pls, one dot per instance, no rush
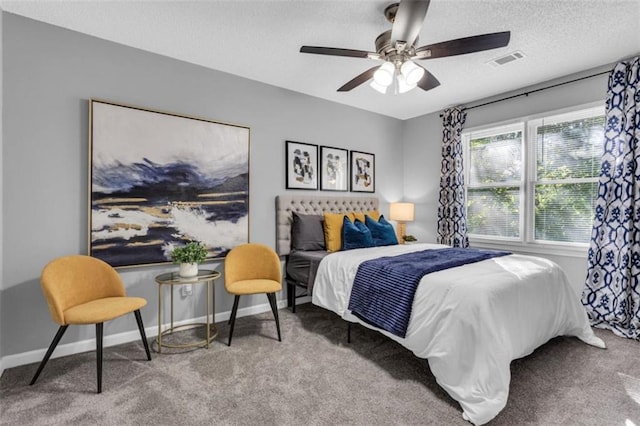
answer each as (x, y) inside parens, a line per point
(397, 48)
(384, 75)
(412, 73)
(403, 86)
(378, 87)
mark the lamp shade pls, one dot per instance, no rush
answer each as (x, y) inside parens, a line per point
(412, 73)
(378, 87)
(401, 212)
(384, 74)
(403, 87)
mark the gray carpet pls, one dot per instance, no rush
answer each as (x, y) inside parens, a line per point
(313, 377)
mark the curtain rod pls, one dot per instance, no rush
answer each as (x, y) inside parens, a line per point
(534, 91)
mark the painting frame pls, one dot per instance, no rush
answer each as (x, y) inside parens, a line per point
(157, 180)
(301, 171)
(334, 169)
(363, 171)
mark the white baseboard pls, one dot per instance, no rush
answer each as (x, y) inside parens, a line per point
(16, 360)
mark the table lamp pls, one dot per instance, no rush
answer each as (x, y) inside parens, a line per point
(401, 213)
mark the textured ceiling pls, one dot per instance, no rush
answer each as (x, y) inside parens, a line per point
(260, 40)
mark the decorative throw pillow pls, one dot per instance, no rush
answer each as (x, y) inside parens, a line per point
(307, 232)
(374, 214)
(333, 230)
(382, 231)
(355, 235)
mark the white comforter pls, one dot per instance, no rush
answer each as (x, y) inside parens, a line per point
(470, 322)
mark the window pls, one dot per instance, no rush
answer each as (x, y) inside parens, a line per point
(495, 182)
(568, 153)
(535, 181)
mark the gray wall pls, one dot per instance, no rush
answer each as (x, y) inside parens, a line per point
(49, 75)
(423, 139)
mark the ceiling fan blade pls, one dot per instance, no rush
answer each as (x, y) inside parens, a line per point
(408, 21)
(357, 81)
(334, 51)
(464, 45)
(428, 80)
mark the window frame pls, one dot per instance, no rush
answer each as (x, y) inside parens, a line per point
(466, 152)
(526, 241)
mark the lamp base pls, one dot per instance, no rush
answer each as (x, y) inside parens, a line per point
(401, 231)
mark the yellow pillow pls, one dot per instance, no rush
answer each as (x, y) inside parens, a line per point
(373, 214)
(333, 230)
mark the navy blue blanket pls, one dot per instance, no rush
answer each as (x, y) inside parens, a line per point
(384, 288)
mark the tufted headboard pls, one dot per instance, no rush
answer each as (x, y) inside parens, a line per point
(285, 204)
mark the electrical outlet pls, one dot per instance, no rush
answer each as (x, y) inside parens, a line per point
(187, 290)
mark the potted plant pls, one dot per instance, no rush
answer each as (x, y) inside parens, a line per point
(409, 239)
(188, 256)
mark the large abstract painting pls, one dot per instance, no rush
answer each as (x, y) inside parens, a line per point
(158, 180)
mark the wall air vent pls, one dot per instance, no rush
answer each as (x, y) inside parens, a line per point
(503, 60)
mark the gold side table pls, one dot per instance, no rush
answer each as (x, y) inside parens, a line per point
(172, 279)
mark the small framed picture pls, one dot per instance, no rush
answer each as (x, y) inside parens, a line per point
(363, 172)
(334, 169)
(302, 165)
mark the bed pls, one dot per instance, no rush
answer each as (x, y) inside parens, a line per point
(301, 265)
(469, 322)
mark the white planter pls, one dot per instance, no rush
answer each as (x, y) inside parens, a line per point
(188, 270)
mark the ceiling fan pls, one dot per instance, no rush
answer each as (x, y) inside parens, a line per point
(396, 47)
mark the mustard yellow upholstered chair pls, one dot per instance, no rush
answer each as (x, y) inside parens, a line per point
(85, 290)
(252, 269)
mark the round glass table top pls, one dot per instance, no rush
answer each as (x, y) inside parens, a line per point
(175, 278)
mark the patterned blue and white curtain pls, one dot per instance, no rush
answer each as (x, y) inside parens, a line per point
(612, 292)
(452, 216)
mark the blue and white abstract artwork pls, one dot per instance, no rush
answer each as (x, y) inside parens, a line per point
(158, 180)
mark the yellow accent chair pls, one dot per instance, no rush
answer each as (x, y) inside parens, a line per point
(252, 269)
(85, 290)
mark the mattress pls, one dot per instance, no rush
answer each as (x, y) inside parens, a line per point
(302, 266)
(471, 321)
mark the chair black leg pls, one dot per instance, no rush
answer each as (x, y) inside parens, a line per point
(53, 345)
(232, 320)
(143, 335)
(274, 309)
(235, 306)
(99, 354)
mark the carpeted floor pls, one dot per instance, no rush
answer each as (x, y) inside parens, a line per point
(313, 377)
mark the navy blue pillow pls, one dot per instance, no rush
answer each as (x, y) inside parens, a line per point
(382, 231)
(355, 235)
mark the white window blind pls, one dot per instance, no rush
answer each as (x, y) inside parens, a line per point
(494, 182)
(569, 151)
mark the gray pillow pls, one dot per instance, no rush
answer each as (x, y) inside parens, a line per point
(307, 232)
